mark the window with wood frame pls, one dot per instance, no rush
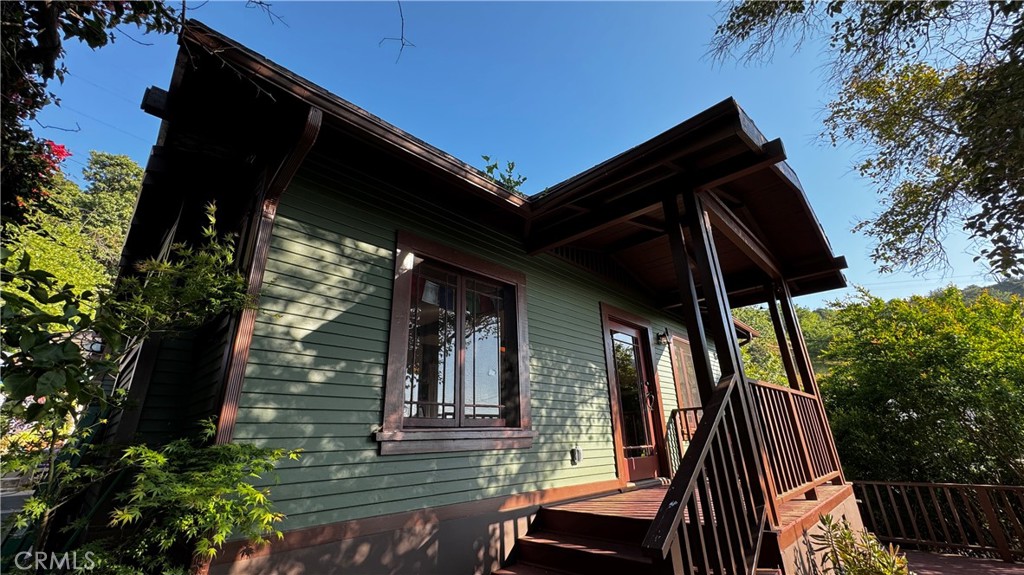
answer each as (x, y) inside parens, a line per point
(457, 367)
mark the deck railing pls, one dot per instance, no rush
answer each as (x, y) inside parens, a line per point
(713, 515)
(985, 519)
(799, 455)
(682, 425)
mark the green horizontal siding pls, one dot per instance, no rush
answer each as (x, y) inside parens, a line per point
(315, 376)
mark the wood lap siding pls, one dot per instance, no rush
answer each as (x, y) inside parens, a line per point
(167, 396)
(315, 375)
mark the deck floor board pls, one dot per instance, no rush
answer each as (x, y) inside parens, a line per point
(638, 504)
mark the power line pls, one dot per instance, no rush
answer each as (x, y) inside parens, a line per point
(107, 124)
(103, 88)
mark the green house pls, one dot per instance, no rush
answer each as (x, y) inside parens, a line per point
(483, 382)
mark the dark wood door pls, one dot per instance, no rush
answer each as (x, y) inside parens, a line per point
(637, 402)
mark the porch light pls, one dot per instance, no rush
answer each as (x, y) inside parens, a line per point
(664, 337)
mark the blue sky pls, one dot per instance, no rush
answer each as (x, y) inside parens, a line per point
(555, 87)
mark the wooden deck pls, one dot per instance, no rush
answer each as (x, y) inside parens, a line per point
(638, 504)
(923, 563)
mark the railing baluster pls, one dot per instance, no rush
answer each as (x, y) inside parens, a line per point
(912, 517)
(924, 513)
(985, 518)
(1011, 514)
(867, 511)
(720, 500)
(896, 510)
(940, 513)
(956, 517)
(885, 516)
(969, 510)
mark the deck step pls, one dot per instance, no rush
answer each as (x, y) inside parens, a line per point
(527, 569)
(608, 527)
(576, 554)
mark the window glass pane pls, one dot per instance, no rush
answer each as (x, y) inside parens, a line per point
(486, 352)
(431, 370)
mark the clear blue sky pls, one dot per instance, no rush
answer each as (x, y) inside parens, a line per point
(556, 87)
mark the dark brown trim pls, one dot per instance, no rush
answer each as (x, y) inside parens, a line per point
(349, 115)
(342, 530)
(393, 438)
(257, 266)
(730, 226)
(611, 315)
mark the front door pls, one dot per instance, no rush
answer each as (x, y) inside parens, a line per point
(638, 402)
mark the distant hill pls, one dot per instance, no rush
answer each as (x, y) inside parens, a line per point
(1002, 290)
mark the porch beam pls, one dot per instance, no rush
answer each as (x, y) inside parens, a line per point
(559, 233)
(726, 222)
(645, 198)
(747, 163)
(712, 284)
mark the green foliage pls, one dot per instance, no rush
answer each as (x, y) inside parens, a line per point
(932, 90)
(78, 237)
(762, 359)
(844, 552)
(1002, 291)
(32, 36)
(928, 388)
(105, 207)
(45, 321)
(507, 179)
(53, 378)
(191, 286)
(183, 501)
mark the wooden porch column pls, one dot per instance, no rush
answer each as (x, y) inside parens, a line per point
(803, 359)
(691, 307)
(719, 325)
(780, 337)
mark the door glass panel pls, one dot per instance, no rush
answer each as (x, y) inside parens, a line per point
(633, 396)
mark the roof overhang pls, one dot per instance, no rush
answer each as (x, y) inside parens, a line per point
(235, 111)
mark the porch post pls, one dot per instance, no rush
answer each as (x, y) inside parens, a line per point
(721, 327)
(780, 337)
(807, 371)
(688, 294)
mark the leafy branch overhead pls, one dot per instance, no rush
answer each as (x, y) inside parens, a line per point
(932, 90)
(507, 178)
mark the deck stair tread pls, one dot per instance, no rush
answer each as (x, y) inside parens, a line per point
(602, 547)
(528, 569)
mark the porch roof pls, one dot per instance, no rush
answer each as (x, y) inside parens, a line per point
(607, 218)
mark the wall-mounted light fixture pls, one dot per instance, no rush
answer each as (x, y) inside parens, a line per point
(664, 337)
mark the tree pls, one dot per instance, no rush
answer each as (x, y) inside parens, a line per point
(56, 396)
(32, 36)
(106, 206)
(762, 359)
(78, 236)
(928, 388)
(932, 90)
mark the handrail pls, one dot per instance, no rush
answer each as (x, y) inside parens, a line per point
(986, 519)
(798, 452)
(713, 514)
